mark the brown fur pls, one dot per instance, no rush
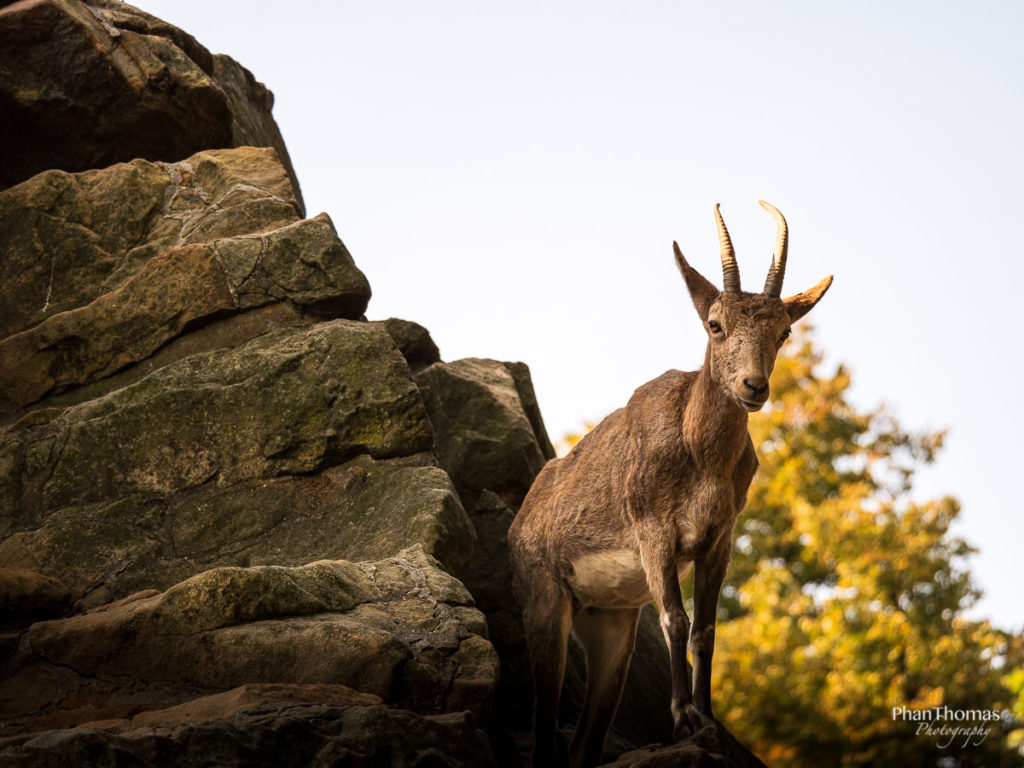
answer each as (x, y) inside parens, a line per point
(655, 488)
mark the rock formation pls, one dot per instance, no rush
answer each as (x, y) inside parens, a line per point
(405, 631)
(124, 85)
(239, 523)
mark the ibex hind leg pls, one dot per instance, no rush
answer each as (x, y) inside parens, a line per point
(608, 637)
(547, 618)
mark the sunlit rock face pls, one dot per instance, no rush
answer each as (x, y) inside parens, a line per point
(89, 85)
(103, 268)
(408, 630)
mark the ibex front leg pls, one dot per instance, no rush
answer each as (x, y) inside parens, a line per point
(709, 572)
(658, 556)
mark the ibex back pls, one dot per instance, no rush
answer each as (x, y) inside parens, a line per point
(655, 487)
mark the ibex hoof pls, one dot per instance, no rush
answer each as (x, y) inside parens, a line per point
(690, 721)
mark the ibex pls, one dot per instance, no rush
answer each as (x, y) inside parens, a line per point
(655, 487)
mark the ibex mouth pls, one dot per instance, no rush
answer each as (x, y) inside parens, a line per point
(749, 405)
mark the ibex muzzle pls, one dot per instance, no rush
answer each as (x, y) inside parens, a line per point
(655, 488)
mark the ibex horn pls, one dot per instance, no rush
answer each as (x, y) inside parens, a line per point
(730, 272)
(773, 285)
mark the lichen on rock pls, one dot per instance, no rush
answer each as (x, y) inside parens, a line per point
(103, 268)
(400, 628)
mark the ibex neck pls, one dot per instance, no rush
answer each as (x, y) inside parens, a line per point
(714, 424)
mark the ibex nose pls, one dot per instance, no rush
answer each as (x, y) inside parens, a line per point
(756, 384)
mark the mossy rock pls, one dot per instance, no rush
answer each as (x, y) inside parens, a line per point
(293, 401)
(484, 437)
(71, 238)
(364, 509)
(400, 628)
(107, 267)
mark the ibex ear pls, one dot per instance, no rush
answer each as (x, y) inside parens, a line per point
(701, 290)
(799, 305)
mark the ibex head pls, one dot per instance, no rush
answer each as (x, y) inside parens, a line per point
(746, 330)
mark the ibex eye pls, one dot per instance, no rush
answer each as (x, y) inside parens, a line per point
(714, 327)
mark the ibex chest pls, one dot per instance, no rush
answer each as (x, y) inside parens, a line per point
(702, 517)
(614, 577)
(690, 507)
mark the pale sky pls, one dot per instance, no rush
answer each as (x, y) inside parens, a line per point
(512, 177)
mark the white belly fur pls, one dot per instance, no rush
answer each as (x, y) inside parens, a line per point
(611, 579)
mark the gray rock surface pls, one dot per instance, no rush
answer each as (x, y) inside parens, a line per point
(288, 735)
(124, 84)
(414, 341)
(72, 237)
(484, 438)
(356, 511)
(401, 629)
(290, 401)
(103, 268)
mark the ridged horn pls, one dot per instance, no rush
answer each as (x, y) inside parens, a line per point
(773, 285)
(730, 272)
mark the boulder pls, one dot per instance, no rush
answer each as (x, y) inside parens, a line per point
(292, 401)
(221, 333)
(304, 263)
(70, 238)
(414, 341)
(285, 733)
(401, 629)
(364, 509)
(245, 698)
(124, 84)
(251, 104)
(484, 438)
(711, 746)
(106, 267)
(487, 442)
(25, 595)
(520, 373)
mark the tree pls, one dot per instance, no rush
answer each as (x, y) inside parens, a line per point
(845, 599)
